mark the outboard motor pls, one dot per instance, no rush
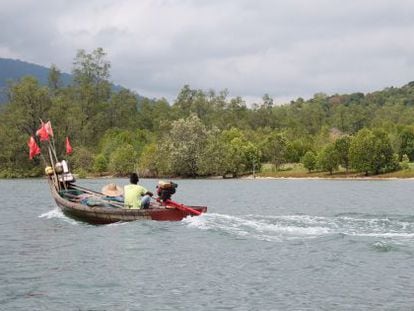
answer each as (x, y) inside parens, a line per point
(165, 190)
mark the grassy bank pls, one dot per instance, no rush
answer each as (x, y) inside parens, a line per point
(295, 170)
(298, 171)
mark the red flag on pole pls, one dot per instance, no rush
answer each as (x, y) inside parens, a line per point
(68, 146)
(33, 148)
(48, 127)
(42, 132)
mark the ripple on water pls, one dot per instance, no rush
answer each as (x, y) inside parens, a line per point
(279, 228)
(383, 246)
(317, 245)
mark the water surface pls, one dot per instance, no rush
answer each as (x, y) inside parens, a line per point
(263, 245)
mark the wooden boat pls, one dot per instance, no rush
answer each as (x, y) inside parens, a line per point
(110, 212)
(74, 201)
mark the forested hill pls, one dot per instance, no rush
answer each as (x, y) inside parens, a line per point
(13, 70)
(202, 133)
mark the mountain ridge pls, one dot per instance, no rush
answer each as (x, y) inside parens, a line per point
(15, 69)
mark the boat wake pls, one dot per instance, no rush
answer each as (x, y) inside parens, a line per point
(278, 228)
(57, 213)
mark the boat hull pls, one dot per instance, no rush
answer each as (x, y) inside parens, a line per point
(107, 215)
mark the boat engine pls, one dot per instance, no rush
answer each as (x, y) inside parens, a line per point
(166, 189)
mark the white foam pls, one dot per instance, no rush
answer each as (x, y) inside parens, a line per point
(119, 223)
(271, 228)
(386, 235)
(258, 228)
(57, 213)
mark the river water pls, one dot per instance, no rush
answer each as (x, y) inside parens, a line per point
(263, 245)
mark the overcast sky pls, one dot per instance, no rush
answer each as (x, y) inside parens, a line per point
(288, 49)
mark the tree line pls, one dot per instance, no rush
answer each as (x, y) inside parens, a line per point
(201, 133)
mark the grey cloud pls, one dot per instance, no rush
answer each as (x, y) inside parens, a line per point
(285, 48)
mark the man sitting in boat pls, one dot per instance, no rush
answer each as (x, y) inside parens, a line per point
(113, 192)
(136, 196)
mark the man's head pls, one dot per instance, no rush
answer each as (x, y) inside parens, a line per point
(133, 178)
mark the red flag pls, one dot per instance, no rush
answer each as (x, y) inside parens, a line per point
(33, 148)
(68, 146)
(48, 127)
(42, 132)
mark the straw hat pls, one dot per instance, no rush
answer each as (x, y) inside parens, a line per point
(112, 190)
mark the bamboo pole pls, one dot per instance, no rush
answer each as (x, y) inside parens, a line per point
(54, 171)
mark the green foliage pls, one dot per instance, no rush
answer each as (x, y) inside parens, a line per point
(407, 143)
(149, 164)
(54, 79)
(342, 146)
(274, 149)
(123, 160)
(29, 102)
(183, 145)
(18, 121)
(385, 159)
(214, 159)
(228, 153)
(121, 111)
(202, 133)
(252, 156)
(309, 161)
(361, 151)
(81, 173)
(235, 157)
(82, 159)
(405, 158)
(91, 73)
(91, 92)
(328, 159)
(405, 163)
(296, 149)
(394, 164)
(100, 163)
(115, 138)
(371, 151)
(152, 115)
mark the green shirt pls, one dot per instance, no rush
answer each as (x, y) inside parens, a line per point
(133, 194)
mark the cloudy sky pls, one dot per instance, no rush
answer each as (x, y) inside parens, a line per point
(287, 49)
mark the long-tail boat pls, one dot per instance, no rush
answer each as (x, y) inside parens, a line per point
(95, 207)
(103, 211)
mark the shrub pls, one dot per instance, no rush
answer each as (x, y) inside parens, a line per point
(100, 163)
(309, 161)
(405, 163)
(122, 161)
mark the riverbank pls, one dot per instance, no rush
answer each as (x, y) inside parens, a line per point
(290, 173)
(406, 174)
(294, 174)
(297, 171)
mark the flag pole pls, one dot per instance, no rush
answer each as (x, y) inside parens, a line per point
(52, 144)
(54, 168)
(51, 141)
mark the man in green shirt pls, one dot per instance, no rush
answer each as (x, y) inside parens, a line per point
(136, 196)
